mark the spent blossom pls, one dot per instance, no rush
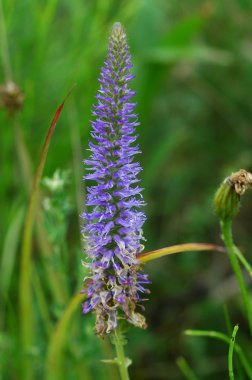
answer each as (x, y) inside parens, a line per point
(113, 220)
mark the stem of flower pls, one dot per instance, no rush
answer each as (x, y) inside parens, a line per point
(121, 359)
(226, 228)
(220, 336)
(230, 353)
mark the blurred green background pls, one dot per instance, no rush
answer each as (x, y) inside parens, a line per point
(193, 66)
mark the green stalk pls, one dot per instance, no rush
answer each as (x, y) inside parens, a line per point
(42, 303)
(4, 47)
(230, 353)
(185, 369)
(54, 361)
(121, 359)
(220, 336)
(226, 228)
(244, 262)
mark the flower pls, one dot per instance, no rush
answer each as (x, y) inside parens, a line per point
(227, 197)
(113, 222)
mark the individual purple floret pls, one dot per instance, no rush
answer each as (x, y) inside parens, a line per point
(113, 222)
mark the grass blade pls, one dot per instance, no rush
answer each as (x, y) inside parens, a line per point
(10, 249)
(243, 260)
(179, 248)
(25, 292)
(58, 338)
(224, 338)
(185, 369)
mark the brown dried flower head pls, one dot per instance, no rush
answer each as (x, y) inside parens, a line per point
(241, 180)
(11, 97)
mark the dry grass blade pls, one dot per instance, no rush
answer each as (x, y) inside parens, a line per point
(179, 248)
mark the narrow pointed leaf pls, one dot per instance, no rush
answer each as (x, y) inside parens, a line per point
(25, 288)
(179, 248)
(58, 338)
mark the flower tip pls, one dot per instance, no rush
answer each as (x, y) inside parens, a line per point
(117, 28)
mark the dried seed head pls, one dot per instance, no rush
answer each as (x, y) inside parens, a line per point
(241, 180)
(11, 97)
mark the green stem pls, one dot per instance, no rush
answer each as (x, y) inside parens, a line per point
(4, 47)
(232, 251)
(54, 361)
(220, 336)
(244, 262)
(230, 353)
(121, 359)
(185, 369)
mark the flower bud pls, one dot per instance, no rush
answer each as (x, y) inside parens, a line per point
(226, 201)
(227, 197)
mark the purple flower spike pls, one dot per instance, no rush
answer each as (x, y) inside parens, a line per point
(113, 222)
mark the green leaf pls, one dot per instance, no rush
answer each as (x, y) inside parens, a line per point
(58, 338)
(10, 246)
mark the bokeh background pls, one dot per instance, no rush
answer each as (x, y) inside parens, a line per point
(193, 66)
